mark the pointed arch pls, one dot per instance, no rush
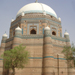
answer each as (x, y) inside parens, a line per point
(33, 31)
(53, 33)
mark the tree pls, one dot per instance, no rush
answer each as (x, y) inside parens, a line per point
(15, 58)
(69, 55)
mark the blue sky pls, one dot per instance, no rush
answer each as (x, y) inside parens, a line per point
(65, 9)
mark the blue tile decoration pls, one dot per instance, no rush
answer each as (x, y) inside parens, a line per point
(22, 30)
(23, 19)
(44, 57)
(38, 11)
(43, 30)
(35, 24)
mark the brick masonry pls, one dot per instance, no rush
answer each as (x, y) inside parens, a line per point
(45, 49)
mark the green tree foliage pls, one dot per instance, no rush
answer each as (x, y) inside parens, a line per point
(69, 53)
(15, 58)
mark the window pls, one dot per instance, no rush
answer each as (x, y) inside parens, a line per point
(53, 33)
(33, 31)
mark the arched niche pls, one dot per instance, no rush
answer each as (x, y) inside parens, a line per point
(33, 31)
(53, 33)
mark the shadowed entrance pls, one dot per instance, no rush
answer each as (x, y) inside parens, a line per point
(32, 31)
(53, 33)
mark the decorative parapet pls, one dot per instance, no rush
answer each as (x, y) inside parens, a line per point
(32, 36)
(57, 38)
(60, 38)
(36, 17)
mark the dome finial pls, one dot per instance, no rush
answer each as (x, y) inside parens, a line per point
(36, 1)
(5, 31)
(65, 30)
(66, 33)
(5, 35)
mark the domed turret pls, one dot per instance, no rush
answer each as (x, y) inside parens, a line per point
(48, 50)
(5, 35)
(59, 19)
(47, 28)
(47, 31)
(18, 31)
(12, 20)
(66, 35)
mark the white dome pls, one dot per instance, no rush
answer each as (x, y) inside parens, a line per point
(47, 28)
(5, 35)
(66, 33)
(37, 8)
(18, 28)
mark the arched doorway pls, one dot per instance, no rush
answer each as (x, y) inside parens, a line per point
(33, 31)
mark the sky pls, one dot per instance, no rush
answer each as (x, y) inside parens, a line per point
(65, 9)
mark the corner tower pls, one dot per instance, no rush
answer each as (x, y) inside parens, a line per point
(47, 52)
(2, 49)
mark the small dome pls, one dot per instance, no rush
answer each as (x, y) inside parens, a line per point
(66, 33)
(47, 28)
(12, 20)
(18, 28)
(5, 35)
(59, 19)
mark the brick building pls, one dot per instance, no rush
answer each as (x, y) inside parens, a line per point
(37, 27)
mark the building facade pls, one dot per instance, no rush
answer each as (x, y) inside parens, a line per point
(37, 27)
